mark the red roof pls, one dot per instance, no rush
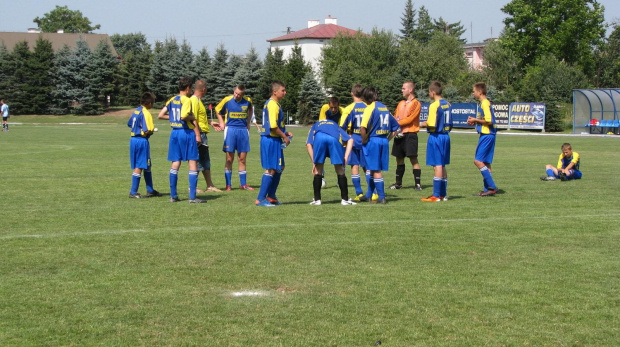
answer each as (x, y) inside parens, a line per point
(321, 31)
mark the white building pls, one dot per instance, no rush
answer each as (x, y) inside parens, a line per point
(311, 40)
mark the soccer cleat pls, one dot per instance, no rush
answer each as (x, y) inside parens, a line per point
(490, 192)
(418, 187)
(197, 201)
(136, 196)
(375, 197)
(443, 198)
(547, 178)
(213, 189)
(396, 186)
(228, 188)
(316, 202)
(562, 176)
(246, 187)
(154, 193)
(382, 201)
(174, 199)
(274, 201)
(358, 197)
(432, 199)
(363, 198)
(347, 202)
(264, 203)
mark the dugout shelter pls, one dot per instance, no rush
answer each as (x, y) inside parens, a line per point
(596, 111)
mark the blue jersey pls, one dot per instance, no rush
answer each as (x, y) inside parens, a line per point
(353, 121)
(235, 112)
(378, 120)
(439, 119)
(330, 128)
(179, 107)
(140, 122)
(273, 117)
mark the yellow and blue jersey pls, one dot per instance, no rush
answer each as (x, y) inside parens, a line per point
(273, 117)
(329, 127)
(326, 113)
(378, 120)
(200, 112)
(353, 120)
(485, 111)
(564, 161)
(235, 113)
(439, 119)
(140, 122)
(179, 108)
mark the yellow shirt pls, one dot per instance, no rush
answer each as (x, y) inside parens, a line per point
(200, 112)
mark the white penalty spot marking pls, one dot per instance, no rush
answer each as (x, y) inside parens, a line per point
(248, 293)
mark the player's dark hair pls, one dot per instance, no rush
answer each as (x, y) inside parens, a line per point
(185, 82)
(481, 87)
(566, 145)
(369, 95)
(147, 98)
(357, 90)
(436, 87)
(241, 87)
(334, 101)
(275, 85)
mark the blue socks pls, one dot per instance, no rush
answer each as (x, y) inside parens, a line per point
(379, 185)
(135, 183)
(357, 183)
(274, 185)
(193, 183)
(228, 176)
(242, 178)
(488, 179)
(264, 186)
(174, 178)
(148, 179)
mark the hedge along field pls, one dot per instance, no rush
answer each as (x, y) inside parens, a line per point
(82, 264)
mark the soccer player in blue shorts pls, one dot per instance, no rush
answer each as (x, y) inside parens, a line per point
(352, 120)
(485, 126)
(184, 139)
(273, 137)
(378, 127)
(438, 125)
(236, 110)
(141, 124)
(325, 139)
(567, 168)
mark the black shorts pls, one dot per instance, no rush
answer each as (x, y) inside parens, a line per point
(406, 146)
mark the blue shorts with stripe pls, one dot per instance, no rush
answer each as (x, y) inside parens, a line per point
(236, 139)
(182, 145)
(438, 150)
(327, 146)
(377, 154)
(139, 153)
(271, 153)
(356, 158)
(485, 149)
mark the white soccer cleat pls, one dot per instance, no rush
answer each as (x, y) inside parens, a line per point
(347, 202)
(315, 202)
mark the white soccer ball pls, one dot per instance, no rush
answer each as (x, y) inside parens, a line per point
(155, 130)
(323, 183)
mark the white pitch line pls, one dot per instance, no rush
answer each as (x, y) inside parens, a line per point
(612, 216)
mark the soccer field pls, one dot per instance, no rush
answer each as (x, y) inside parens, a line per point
(82, 264)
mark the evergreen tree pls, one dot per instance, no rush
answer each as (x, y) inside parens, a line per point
(41, 72)
(343, 80)
(201, 69)
(296, 69)
(455, 30)
(157, 81)
(273, 71)
(222, 74)
(311, 98)
(424, 29)
(6, 72)
(408, 21)
(134, 68)
(101, 73)
(18, 86)
(73, 82)
(61, 99)
(250, 73)
(186, 60)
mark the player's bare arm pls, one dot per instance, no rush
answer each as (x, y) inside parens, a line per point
(163, 114)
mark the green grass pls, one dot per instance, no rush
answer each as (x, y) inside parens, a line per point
(81, 264)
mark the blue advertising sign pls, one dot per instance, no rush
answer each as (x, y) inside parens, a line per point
(501, 110)
(460, 112)
(527, 115)
(424, 112)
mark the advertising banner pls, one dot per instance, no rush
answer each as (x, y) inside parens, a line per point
(502, 114)
(527, 115)
(460, 112)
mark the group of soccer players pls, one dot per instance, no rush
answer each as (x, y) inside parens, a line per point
(357, 135)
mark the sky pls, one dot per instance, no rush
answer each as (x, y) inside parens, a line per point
(241, 24)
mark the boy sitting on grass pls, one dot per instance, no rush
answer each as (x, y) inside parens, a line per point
(567, 168)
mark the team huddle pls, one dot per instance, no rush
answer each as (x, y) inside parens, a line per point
(357, 135)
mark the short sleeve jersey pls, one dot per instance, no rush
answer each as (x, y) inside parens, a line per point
(235, 113)
(330, 128)
(4, 110)
(485, 111)
(564, 161)
(439, 119)
(179, 107)
(273, 117)
(140, 122)
(326, 113)
(200, 112)
(378, 120)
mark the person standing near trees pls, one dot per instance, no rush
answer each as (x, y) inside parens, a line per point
(4, 110)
